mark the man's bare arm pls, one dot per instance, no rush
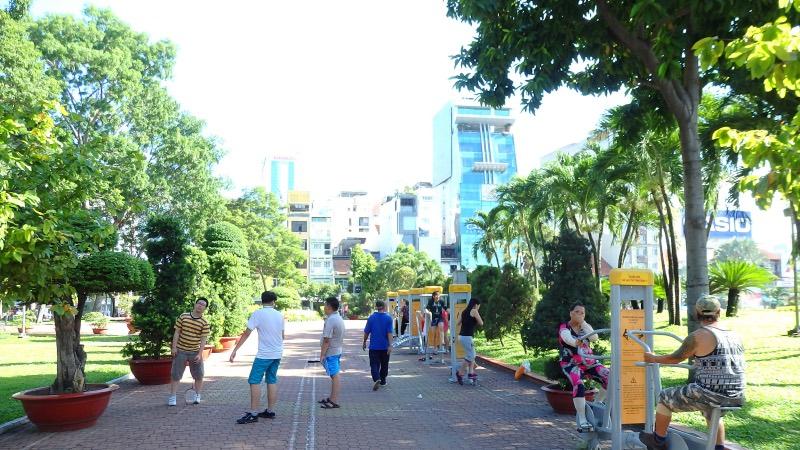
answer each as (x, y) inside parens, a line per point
(686, 350)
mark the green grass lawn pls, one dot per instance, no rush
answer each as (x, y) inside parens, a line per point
(770, 419)
(31, 362)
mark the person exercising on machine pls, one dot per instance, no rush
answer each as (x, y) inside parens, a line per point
(576, 367)
(719, 375)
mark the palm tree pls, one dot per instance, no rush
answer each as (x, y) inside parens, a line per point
(487, 243)
(737, 277)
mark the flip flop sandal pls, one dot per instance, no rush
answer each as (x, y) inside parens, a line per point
(324, 400)
(329, 405)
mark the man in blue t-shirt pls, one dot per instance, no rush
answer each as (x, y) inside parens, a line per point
(379, 332)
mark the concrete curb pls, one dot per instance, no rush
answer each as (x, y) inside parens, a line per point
(18, 422)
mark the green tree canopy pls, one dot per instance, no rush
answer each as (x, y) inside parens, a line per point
(108, 271)
(739, 250)
(273, 250)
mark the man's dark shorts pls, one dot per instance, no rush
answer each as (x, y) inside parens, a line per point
(179, 365)
(694, 397)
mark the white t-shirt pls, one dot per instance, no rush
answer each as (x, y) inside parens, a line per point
(269, 323)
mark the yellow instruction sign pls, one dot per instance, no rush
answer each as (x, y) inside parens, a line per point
(415, 305)
(634, 394)
(459, 308)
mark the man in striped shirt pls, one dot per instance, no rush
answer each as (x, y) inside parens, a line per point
(191, 333)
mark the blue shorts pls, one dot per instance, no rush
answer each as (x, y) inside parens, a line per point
(331, 365)
(264, 368)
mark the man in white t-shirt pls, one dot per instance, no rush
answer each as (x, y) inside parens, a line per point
(269, 323)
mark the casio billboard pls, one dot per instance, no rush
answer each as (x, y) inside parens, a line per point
(731, 224)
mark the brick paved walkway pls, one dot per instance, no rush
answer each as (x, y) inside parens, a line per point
(501, 413)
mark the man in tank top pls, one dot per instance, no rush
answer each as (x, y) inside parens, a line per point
(719, 374)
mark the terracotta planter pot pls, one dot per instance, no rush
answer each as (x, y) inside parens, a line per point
(131, 328)
(353, 317)
(151, 371)
(228, 342)
(99, 330)
(561, 401)
(65, 412)
(238, 338)
(207, 351)
(19, 329)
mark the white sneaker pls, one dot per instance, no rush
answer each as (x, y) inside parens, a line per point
(197, 399)
(585, 427)
(172, 401)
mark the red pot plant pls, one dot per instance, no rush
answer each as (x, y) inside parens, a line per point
(98, 321)
(166, 245)
(70, 403)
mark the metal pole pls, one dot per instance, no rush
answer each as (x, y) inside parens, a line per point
(616, 364)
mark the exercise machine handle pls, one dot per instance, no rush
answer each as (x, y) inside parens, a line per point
(586, 338)
(680, 366)
(631, 334)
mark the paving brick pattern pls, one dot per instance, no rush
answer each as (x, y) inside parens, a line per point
(499, 413)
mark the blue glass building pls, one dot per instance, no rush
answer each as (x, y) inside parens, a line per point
(473, 152)
(281, 177)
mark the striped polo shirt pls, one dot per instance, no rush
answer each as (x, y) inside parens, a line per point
(192, 329)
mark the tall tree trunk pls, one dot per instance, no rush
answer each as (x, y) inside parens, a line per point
(664, 276)
(666, 269)
(695, 217)
(602, 220)
(674, 272)
(733, 303)
(263, 278)
(70, 356)
(624, 246)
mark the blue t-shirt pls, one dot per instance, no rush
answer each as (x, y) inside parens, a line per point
(379, 325)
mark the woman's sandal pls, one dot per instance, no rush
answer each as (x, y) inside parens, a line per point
(329, 405)
(324, 400)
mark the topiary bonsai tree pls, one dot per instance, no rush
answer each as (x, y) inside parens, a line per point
(229, 273)
(165, 243)
(567, 277)
(100, 272)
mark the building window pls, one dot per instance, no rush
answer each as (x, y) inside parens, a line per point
(299, 226)
(298, 207)
(304, 244)
(407, 202)
(363, 221)
(301, 265)
(362, 230)
(327, 246)
(409, 223)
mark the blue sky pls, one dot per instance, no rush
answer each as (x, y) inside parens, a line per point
(348, 88)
